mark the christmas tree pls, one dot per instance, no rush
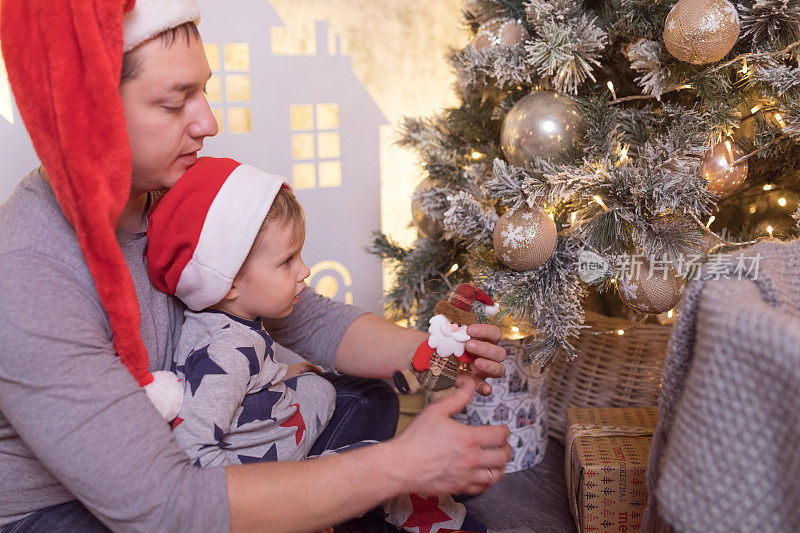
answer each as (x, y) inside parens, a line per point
(593, 137)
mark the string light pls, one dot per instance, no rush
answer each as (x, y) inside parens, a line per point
(452, 269)
(623, 154)
(515, 329)
(670, 313)
(755, 110)
(572, 217)
(613, 92)
(752, 209)
(769, 230)
(744, 65)
(768, 187)
(782, 202)
(710, 220)
(620, 332)
(600, 201)
(477, 155)
(780, 120)
(551, 215)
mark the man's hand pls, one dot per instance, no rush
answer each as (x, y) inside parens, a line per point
(437, 454)
(489, 355)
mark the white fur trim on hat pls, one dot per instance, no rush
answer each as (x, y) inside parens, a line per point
(166, 394)
(149, 18)
(228, 233)
(491, 309)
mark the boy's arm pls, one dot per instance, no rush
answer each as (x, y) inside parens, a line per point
(375, 347)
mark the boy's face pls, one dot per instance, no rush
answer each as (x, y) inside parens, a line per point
(270, 282)
(166, 112)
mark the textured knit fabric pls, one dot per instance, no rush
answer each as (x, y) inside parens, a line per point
(74, 424)
(725, 455)
(236, 407)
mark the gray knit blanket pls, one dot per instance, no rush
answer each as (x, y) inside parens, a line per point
(726, 451)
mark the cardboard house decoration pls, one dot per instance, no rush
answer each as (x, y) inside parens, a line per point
(306, 117)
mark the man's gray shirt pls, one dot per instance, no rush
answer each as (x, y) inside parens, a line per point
(74, 424)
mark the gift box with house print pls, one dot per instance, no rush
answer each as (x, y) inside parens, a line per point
(519, 400)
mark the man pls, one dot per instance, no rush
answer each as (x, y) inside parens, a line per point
(73, 424)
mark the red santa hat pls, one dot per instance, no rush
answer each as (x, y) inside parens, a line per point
(200, 232)
(460, 303)
(64, 61)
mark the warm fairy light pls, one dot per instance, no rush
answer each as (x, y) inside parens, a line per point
(515, 329)
(768, 187)
(686, 86)
(452, 269)
(623, 153)
(600, 201)
(755, 110)
(620, 332)
(780, 120)
(551, 215)
(613, 92)
(744, 66)
(477, 155)
(752, 209)
(782, 202)
(572, 217)
(670, 313)
(710, 220)
(769, 230)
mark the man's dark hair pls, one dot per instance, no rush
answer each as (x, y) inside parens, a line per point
(132, 65)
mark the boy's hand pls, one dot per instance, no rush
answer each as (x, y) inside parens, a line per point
(301, 368)
(489, 355)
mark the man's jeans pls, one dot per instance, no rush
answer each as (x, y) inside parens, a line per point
(366, 409)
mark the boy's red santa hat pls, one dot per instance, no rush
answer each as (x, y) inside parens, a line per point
(201, 231)
(64, 61)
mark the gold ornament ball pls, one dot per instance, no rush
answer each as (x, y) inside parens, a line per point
(543, 124)
(650, 290)
(500, 31)
(525, 239)
(427, 225)
(701, 31)
(716, 168)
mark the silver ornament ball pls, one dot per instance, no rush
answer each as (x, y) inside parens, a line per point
(543, 124)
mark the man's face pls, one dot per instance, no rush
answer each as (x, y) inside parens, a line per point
(166, 112)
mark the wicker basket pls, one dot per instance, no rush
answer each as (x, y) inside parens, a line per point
(611, 371)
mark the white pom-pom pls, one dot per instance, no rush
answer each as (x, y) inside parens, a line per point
(491, 309)
(166, 394)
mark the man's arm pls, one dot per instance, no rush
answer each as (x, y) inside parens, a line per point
(433, 455)
(83, 416)
(374, 347)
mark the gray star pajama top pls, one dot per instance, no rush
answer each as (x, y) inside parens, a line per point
(236, 407)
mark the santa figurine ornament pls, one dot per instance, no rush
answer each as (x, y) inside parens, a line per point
(439, 359)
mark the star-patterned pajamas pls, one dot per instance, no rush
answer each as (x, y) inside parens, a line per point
(236, 407)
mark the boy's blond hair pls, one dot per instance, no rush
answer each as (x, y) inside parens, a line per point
(285, 209)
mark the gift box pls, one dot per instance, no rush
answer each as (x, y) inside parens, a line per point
(606, 459)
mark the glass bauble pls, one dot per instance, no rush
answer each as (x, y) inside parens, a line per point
(715, 166)
(543, 124)
(427, 225)
(525, 239)
(500, 31)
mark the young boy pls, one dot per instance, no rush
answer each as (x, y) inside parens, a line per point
(226, 240)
